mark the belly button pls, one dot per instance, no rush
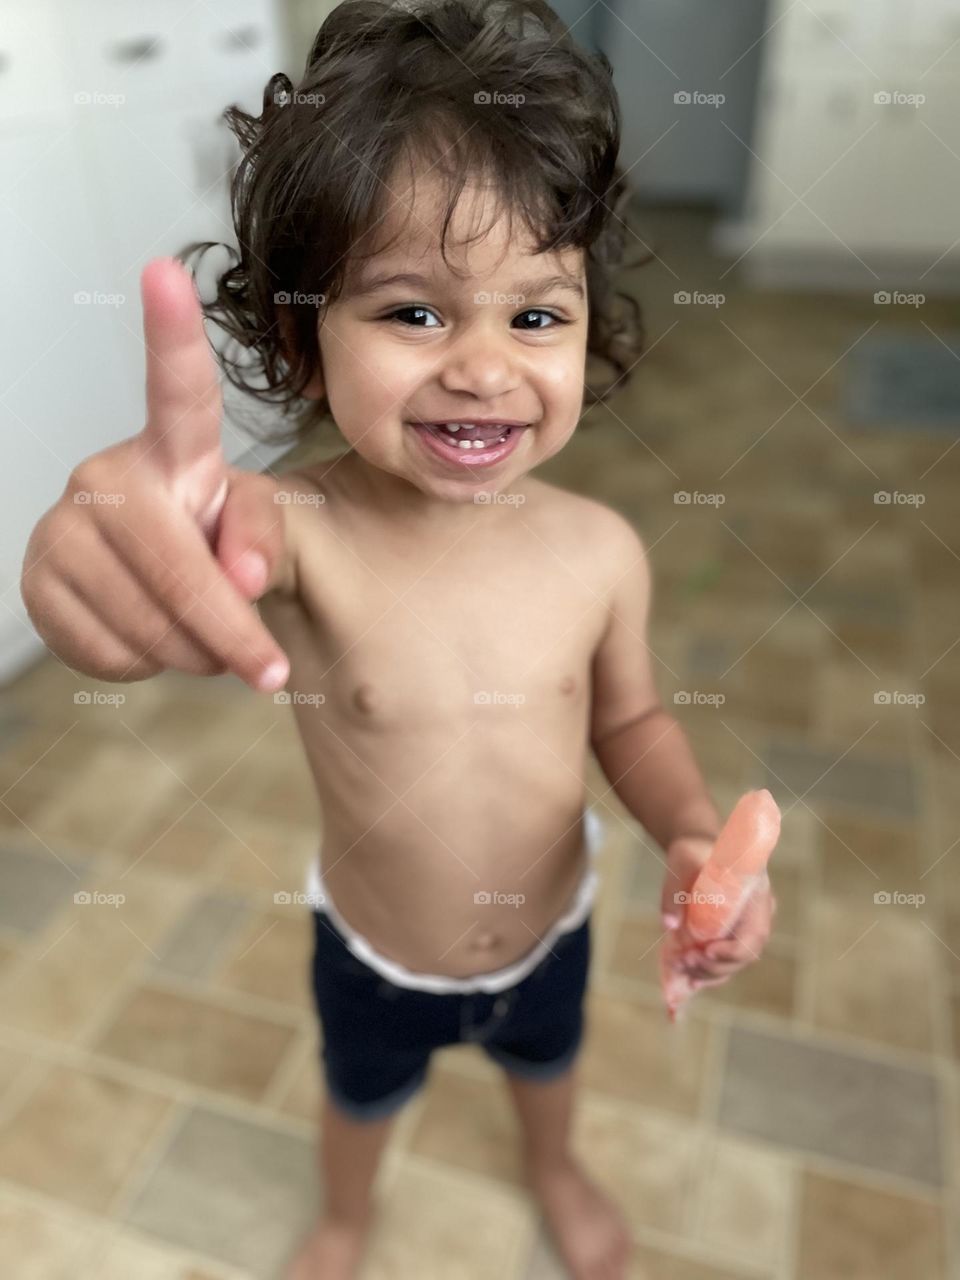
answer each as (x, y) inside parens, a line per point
(484, 941)
(568, 684)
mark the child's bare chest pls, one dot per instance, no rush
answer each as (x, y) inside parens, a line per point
(486, 630)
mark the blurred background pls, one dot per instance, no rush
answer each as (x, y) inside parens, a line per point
(786, 447)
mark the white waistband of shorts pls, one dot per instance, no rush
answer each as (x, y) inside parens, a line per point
(498, 979)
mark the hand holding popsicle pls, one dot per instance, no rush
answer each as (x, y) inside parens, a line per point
(727, 910)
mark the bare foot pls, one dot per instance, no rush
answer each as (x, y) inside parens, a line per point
(589, 1230)
(332, 1251)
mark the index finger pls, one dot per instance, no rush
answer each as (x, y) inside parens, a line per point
(184, 404)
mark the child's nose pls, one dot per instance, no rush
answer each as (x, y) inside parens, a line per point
(480, 368)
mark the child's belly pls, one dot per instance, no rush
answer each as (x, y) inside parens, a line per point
(465, 870)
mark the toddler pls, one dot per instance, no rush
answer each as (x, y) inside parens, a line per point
(428, 226)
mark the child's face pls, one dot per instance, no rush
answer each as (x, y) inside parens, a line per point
(487, 345)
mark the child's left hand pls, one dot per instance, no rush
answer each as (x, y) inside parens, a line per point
(715, 963)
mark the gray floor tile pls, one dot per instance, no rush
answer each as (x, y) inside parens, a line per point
(834, 1103)
(233, 1190)
(33, 887)
(883, 784)
(194, 945)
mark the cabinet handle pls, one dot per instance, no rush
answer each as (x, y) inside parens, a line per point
(138, 48)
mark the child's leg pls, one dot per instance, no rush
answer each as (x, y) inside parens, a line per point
(350, 1152)
(589, 1230)
(545, 1112)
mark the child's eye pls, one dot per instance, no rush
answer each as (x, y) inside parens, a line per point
(425, 311)
(401, 311)
(539, 311)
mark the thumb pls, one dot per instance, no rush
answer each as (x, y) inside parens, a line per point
(251, 531)
(685, 859)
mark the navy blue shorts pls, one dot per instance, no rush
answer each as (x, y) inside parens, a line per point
(378, 1037)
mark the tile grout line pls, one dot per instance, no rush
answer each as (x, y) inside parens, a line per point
(876, 1051)
(63, 1210)
(178, 1091)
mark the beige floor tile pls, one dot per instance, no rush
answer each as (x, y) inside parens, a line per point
(646, 1162)
(846, 704)
(874, 973)
(435, 1223)
(79, 1136)
(628, 1053)
(270, 956)
(88, 952)
(468, 1123)
(15, 1063)
(75, 815)
(265, 858)
(197, 1041)
(646, 1263)
(852, 1232)
(746, 1197)
(187, 841)
(44, 1244)
(303, 1096)
(859, 857)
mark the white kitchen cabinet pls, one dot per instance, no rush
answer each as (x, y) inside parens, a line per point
(879, 179)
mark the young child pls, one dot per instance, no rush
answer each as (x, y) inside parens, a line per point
(427, 233)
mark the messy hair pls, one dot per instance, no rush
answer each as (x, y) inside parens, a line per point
(490, 89)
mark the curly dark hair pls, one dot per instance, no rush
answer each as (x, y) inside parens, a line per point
(491, 88)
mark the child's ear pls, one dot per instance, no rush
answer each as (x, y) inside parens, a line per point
(314, 388)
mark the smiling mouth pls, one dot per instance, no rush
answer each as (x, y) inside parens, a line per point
(467, 435)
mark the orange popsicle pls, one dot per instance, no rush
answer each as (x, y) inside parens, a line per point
(737, 863)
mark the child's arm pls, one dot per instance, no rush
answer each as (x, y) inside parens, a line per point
(649, 762)
(120, 576)
(641, 747)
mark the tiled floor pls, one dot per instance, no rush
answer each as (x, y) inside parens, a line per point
(158, 1080)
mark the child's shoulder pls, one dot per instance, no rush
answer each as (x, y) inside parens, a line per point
(598, 528)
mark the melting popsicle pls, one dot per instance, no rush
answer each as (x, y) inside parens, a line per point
(737, 863)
